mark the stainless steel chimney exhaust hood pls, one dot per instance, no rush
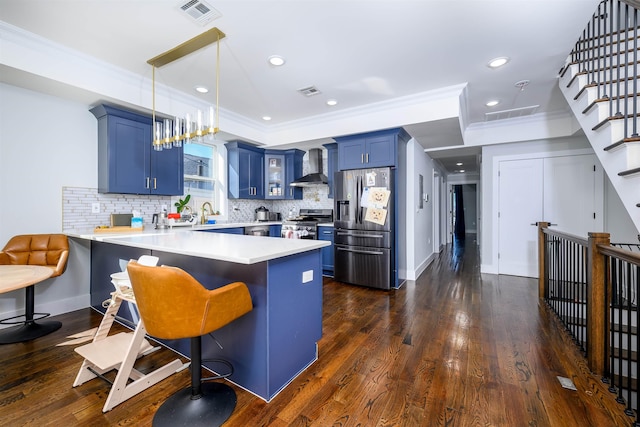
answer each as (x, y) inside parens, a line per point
(315, 176)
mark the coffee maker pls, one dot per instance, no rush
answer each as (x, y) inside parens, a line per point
(160, 220)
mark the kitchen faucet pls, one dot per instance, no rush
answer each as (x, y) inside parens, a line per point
(204, 209)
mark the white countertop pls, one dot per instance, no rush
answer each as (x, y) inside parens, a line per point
(236, 248)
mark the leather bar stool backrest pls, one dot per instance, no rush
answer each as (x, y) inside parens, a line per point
(174, 305)
(50, 250)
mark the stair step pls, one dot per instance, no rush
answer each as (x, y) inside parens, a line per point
(623, 382)
(613, 118)
(629, 172)
(620, 142)
(624, 329)
(626, 97)
(624, 354)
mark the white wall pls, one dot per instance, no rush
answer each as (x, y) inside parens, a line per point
(419, 236)
(616, 218)
(45, 143)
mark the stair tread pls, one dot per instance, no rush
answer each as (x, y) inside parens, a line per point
(629, 172)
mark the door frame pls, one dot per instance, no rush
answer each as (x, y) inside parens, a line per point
(450, 185)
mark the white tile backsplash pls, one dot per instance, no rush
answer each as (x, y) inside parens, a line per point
(77, 203)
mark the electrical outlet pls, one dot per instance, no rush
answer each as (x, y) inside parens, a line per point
(307, 276)
(95, 207)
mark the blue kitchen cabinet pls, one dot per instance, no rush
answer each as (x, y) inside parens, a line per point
(229, 230)
(370, 150)
(293, 171)
(332, 165)
(274, 176)
(245, 171)
(282, 167)
(326, 233)
(275, 230)
(127, 163)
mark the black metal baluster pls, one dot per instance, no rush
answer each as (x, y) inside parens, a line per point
(610, 78)
(618, 94)
(636, 286)
(628, 361)
(635, 73)
(570, 285)
(592, 49)
(626, 72)
(598, 52)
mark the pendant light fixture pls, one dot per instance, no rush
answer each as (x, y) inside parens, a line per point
(173, 133)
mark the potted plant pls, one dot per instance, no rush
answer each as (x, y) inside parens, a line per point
(181, 204)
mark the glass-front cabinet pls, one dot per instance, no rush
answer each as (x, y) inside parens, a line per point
(274, 175)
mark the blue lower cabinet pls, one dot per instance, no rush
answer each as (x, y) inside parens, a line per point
(326, 233)
(269, 346)
(231, 230)
(275, 230)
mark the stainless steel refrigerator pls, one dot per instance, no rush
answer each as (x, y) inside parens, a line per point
(364, 239)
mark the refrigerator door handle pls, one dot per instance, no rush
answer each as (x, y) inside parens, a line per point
(374, 236)
(360, 191)
(360, 251)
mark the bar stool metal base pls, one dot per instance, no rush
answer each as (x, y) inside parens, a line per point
(28, 331)
(215, 405)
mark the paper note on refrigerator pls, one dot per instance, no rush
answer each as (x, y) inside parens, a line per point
(375, 215)
(364, 200)
(378, 197)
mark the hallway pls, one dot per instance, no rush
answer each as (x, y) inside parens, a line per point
(454, 348)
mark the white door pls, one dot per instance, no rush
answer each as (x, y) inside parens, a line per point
(520, 205)
(570, 187)
(565, 191)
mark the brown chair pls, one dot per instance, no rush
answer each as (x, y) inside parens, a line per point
(49, 250)
(174, 305)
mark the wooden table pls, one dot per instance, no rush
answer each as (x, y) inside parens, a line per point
(13, 277)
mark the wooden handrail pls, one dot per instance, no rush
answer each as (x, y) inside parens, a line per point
(612, 251)
(570, 237)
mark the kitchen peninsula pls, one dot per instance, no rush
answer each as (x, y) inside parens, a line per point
(268, 347)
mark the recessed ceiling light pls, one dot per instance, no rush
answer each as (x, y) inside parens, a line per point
(266, 118)
(461, 171)
(498, 62)
(201, 89)
(459, 164)
(276, 60)
(331, 102)
(492, 103)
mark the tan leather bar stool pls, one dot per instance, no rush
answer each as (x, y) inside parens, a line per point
(174, 305)
(46, 250)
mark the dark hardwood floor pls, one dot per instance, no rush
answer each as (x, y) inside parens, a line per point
(455, 348)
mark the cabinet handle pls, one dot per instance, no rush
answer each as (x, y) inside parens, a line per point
(154, 184)
(362, 158)
(290, 191)
(146, 185)
(367, 158)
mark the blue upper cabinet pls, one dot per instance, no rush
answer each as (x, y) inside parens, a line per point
(281, 168)
(370, 150)
(245, 171)
(274, 176)
(293, 171)
(127, 163)
(332, 165)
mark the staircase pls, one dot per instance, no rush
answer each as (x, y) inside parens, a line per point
(600, 83)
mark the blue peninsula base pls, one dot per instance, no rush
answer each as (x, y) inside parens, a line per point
(269, 346)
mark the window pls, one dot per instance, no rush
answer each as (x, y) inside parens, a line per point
(199, 171)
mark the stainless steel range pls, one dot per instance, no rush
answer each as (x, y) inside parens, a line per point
(305, 225)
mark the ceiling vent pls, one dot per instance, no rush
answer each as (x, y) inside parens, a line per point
(509, 114)
(200, 11)
(309, 91)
